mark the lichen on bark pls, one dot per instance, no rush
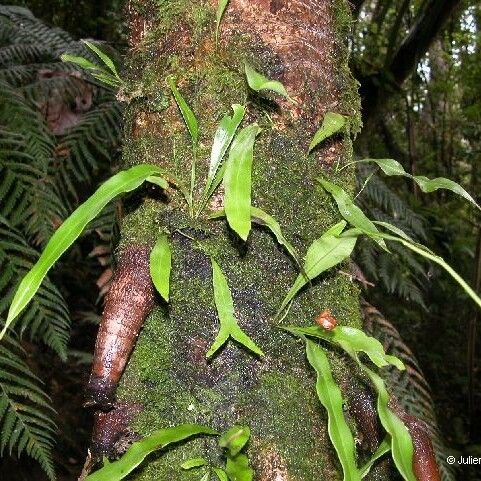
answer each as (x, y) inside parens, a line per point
(303, 44)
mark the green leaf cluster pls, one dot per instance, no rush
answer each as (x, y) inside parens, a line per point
(353, 342)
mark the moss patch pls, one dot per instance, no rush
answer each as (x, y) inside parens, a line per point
(168, 372)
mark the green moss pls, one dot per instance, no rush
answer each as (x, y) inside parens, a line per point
(348, 85)
(291, 420)
(142, 226)
(168, 373)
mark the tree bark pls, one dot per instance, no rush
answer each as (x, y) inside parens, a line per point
(303, 44)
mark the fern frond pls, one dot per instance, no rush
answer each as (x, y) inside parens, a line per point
(58, 130)
(47, 317)
(26, 423)
(88, 146)
(377, 198)
(27, 196)
(25, 28)
(399, 272)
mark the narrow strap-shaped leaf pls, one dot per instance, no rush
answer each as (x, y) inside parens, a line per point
(117, 470)
(401, 442)
(193, 463)
(104, 57)
(351, 212)
(331, 124)
(237, 181)
(225, 310)
(189, 117)
(382, 449)
(395, 230)
(324, 253)
(97, 72)
(221, 474)
(71, 228)
(401, 237)
(160, 265)
(426, 253)
(237, 468)
(258, 82)
(263, 218)
(352, 340)
(160, 181)
(393, 167)
(80, 61)
(222, 139)
(216, 181)
(218, 17)
(330, 397)
(107, 79)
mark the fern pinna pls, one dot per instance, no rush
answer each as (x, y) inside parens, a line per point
(398, 272)
(59, 129)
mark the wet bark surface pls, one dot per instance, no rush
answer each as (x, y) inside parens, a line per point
(302, 44)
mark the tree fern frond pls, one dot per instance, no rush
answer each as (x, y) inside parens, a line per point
(399, 272)
(26, 422)
(24, 53)
(58, 130)
(47, 317)
(88, 146)
(20, 75)
(28, 29)
(377, 195)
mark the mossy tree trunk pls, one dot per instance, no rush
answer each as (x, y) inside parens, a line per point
(303, 44)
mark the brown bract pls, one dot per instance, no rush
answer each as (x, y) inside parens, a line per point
(129, 301)
(424, 460)
(326, 320)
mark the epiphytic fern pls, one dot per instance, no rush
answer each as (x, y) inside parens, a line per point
(410, 386)
(58, 132)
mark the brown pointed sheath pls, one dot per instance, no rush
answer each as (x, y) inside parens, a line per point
(424, 460)
(129, 301)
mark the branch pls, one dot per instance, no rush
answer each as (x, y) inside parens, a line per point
(378, 87)
(425, 29)
(129, 301)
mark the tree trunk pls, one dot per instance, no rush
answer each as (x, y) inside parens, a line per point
(302, 43)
